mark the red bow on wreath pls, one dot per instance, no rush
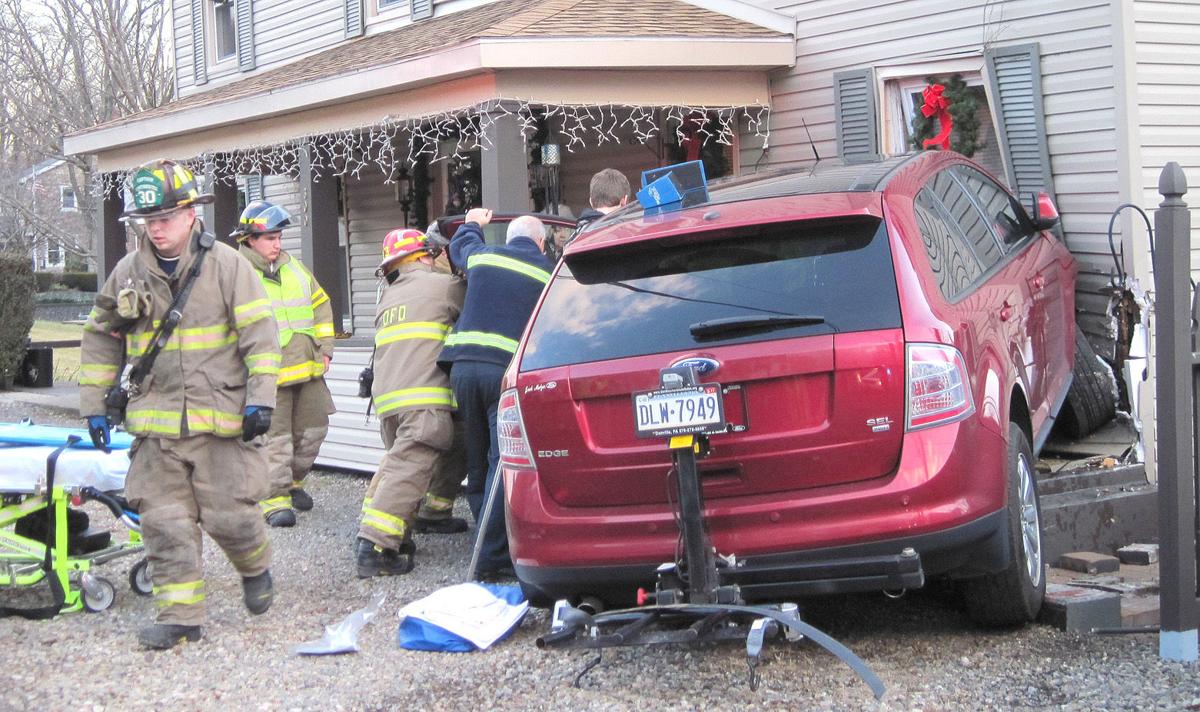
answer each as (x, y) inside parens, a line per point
(937, 105)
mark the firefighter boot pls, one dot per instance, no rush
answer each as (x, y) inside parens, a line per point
(162, 636)
(258, 592)
(282, 518)
(301, 501)
(372, 560)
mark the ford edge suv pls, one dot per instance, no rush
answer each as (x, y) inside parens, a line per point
(892, 341)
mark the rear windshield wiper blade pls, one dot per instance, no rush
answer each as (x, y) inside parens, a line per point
(721, 327)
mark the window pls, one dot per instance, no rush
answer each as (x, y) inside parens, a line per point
(967, 218)
(1008, 219)
(950, 258)
(837, 271)
(903, 97)
(53, 254)
(224, 31)
(66, 196)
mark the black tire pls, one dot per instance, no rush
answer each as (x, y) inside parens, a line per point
(1091, 400)
(1014, 596)
(139, 578)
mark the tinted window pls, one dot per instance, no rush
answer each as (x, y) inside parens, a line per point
(1007, 219)
(968, 218)
(953, 262)
(619, 304)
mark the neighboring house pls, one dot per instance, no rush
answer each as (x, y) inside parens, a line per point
(47, 189)
(319, 105)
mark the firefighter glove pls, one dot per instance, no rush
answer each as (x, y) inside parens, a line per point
(100, 431)
(256, 421)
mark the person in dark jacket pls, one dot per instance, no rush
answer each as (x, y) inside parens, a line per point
(503, 286)
(608, 191)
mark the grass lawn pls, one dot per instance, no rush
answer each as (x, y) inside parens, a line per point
(66, 361)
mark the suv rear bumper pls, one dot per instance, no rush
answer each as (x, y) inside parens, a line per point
(975, 548)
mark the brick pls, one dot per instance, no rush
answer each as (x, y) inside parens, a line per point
(1138, 554)
(1079, 609)
(1139, 611)
(1089, 562)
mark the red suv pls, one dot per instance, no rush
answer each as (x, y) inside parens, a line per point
(892, 341)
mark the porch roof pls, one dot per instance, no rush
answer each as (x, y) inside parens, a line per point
(557, 51)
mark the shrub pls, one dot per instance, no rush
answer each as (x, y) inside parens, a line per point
(83, 281)
(46, 280)
(16, 313)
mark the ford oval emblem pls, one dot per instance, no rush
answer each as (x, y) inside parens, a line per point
(702, 365)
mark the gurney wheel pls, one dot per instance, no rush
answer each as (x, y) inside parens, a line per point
(139, 578)
(98, 593)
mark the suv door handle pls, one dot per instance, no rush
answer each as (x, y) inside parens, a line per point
(1005, 311)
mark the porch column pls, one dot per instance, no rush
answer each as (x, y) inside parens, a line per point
(110, 243)
(505, 176)
(224, 214)
(319, 236)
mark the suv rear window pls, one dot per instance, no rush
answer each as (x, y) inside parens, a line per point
(647, 299)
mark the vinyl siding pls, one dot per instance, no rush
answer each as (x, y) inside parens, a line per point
(353, 440)
(284, 191)
(284, 30)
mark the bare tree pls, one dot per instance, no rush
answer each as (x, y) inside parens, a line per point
(67, 65)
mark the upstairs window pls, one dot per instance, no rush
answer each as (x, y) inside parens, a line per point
(224, 31)
(66, 196)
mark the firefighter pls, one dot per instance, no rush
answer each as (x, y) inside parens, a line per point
(412, 399)
(305, 318)
(197, 463)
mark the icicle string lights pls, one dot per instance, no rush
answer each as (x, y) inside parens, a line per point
(393, 143)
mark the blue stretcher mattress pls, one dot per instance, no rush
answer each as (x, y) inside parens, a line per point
(26, 434)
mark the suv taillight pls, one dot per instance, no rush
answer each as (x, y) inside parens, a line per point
(937, 385)
(510, 433)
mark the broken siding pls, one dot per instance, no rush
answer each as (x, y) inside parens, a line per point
(1075, 41)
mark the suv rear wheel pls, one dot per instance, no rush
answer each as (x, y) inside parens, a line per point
(1014, 596)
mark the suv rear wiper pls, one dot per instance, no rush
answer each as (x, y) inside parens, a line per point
(719, 327)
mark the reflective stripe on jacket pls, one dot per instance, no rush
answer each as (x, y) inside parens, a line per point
(414, 316)
(504, 283)
(303, 313)
(223, 356)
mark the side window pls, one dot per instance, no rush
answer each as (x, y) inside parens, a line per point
(968, 218)
(953, 262)
(1008, 219)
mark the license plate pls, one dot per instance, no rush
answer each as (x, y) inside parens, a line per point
(679, 411)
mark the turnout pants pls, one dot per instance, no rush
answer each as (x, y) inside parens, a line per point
(181, 487)
(298, 427)
(476, 386)
(417, 440)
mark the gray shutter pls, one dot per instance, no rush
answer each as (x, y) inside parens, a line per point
(1015, 80)
(245, 34)
(199, 56)
(354, 17)
(254, 188)
(420, 9)
(857, 119)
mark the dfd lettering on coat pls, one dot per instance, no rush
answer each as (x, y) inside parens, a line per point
(393, 315)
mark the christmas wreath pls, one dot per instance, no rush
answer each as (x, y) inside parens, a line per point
(958, 103)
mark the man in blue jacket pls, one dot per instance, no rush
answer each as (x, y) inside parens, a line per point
(503, 286)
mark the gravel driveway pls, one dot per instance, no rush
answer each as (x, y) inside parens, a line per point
(926, 652)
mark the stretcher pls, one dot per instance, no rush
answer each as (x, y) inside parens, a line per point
(43, 470)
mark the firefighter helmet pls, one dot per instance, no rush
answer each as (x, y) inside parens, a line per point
(162, 186)
(260, 218)
(401, 243)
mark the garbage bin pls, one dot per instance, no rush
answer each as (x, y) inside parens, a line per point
(37, 368)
